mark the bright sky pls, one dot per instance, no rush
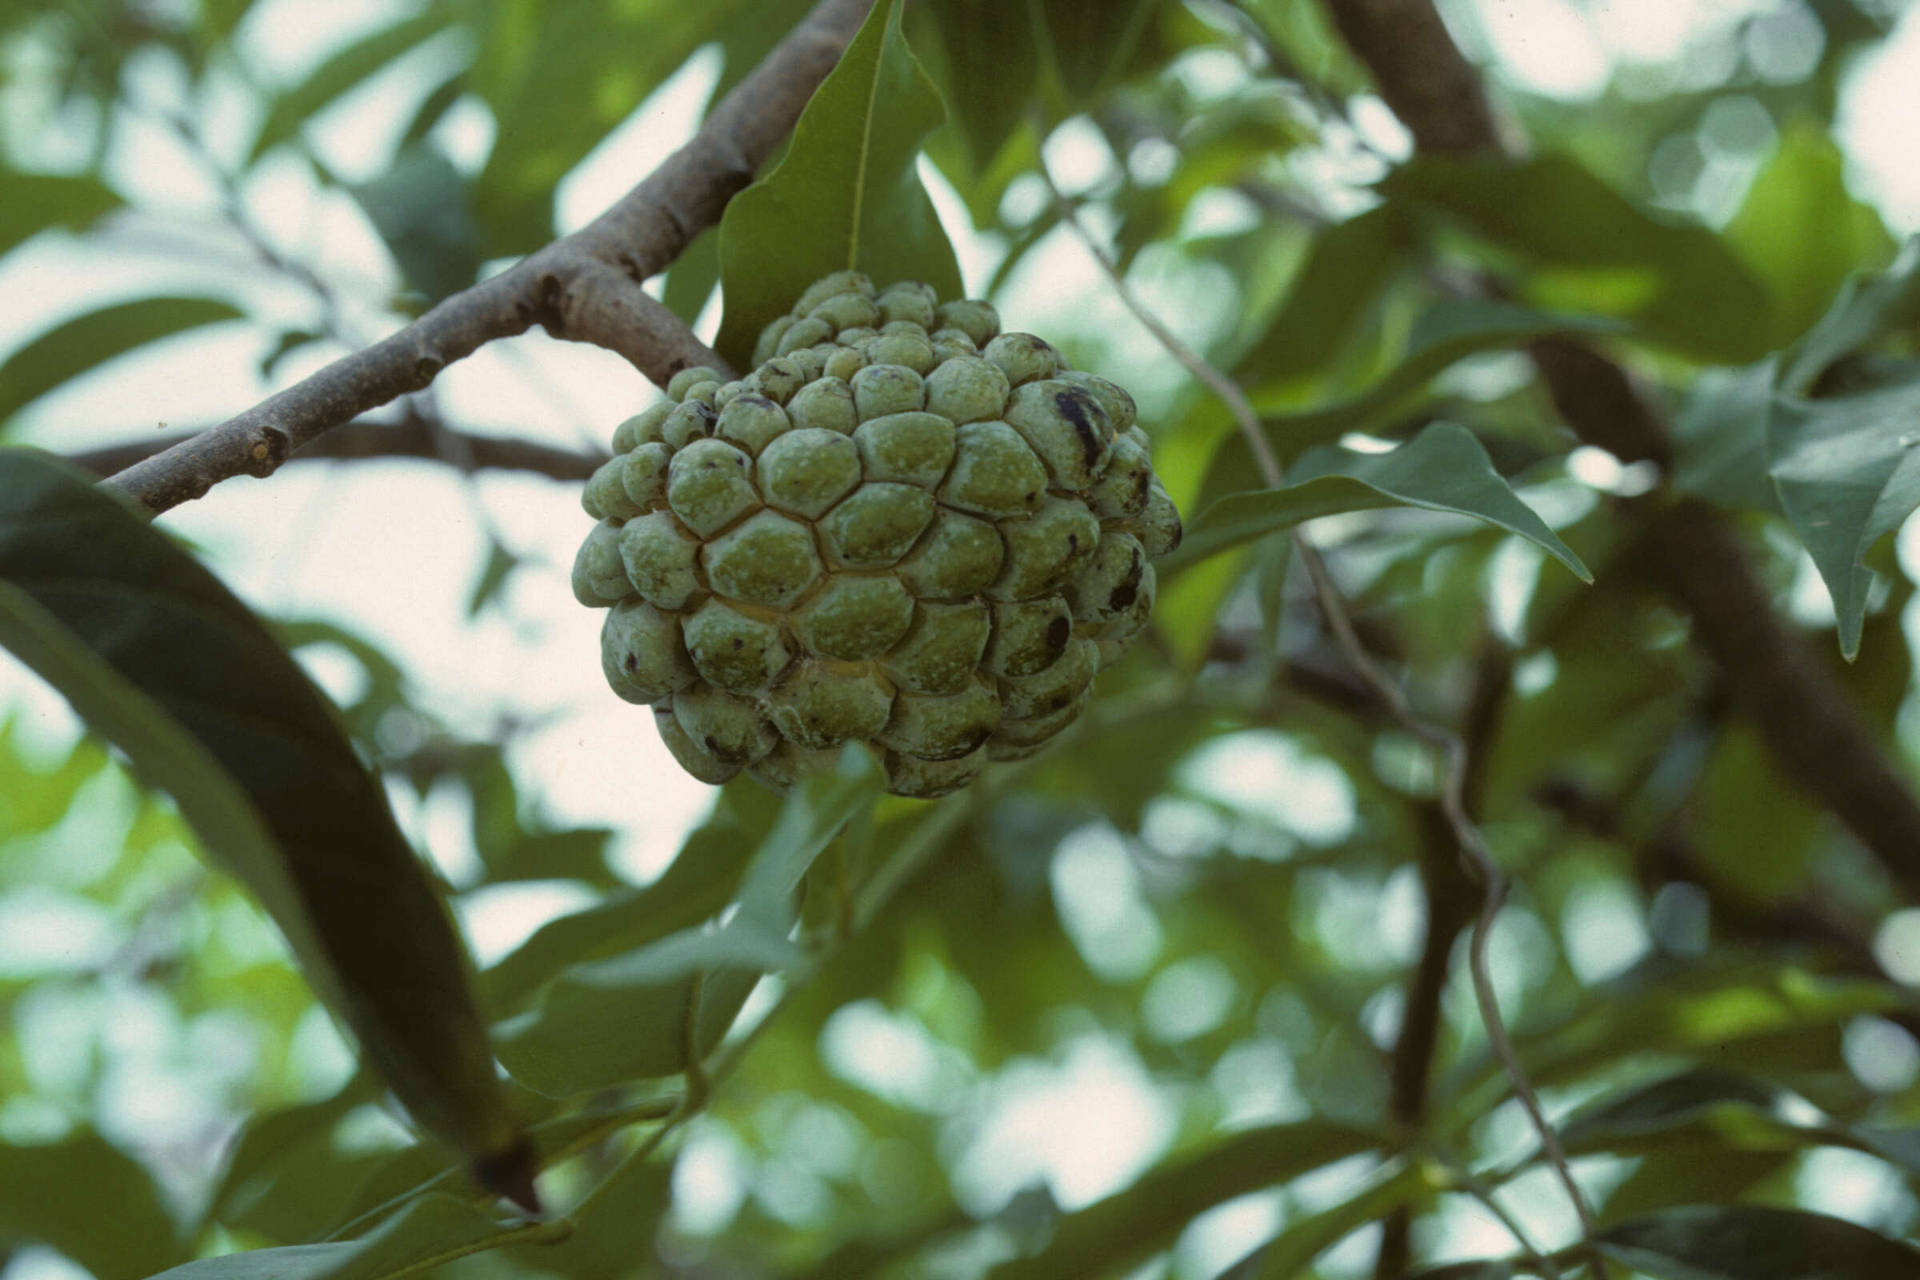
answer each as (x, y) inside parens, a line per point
(393, 552)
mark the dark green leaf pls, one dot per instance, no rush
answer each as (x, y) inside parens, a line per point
(36, 201)
(847, 194)
(1848, 474)
(89, 340)
(1107, 1236)
(694, 887)
(624, 1018)
(615, 1224)
(1867, 308)
(54, 1195)
(344, 71)
(1749, 1242)
(1348, 268)
(419, 207)
(1593, 251)
(1722, 437)
(1090, 41)
(283, 1178)
(431, 1230)
(164, 661)
(1444, 468)
(988, 61)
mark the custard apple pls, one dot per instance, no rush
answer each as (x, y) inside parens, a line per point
(905, 527)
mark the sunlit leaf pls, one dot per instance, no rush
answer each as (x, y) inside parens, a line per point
(846, 196)
(160, 658)
(1801, 231)
(92, 339)
(1444, 468)
(1848, 474)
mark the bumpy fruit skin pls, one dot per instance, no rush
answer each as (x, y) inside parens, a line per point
(904, 527)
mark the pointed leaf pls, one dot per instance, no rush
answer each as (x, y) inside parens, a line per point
(160, 658)
(419, 207)
(92, 339)
(624, 1018)
(1444, 468)
(53, 1195)
(1108, 1235)
(1749, 1242)
(847, 195)
(1348, 268)
(1848, 473)
(1090, 41)
(1866, 308)
(342, 72)
(430, 1231)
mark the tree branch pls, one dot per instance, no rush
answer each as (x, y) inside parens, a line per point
(585, 286)
(413, 436)
(1801, 714)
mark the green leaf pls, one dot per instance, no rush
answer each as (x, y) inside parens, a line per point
(1801, 231)
(1721, 434)
(1749, 1242)
(614, 1225)
(160, 658)
(419, 207)
(1089, 41)
(624, 1018)
(36, 201)
(283, 1178)
(92, 339)
(1444, 468)
(1346, 271)
(430, 1231)
(1591, 250)
(54, 1195)
(493, 577)
(342, 72)
(698, 882)
(990, 66)
(1105, 1237)
(1867, 308)
(1288, 1255)
(1848, 474)
(846, 196)
(1444, 335)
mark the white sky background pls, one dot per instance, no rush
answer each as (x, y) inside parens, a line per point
(392, 550)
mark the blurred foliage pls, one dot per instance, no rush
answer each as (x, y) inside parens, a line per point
(1141, 1006)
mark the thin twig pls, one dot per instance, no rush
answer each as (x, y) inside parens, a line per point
(585, 286)
(1493, 881)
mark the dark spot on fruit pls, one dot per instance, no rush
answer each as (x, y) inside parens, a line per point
(1123, 595)
(1073, 542)
(1072, 405)
(713, 748)
(632, 663)
(1059, 632)
(738, 643)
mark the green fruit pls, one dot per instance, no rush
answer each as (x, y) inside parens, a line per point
(903, 528)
